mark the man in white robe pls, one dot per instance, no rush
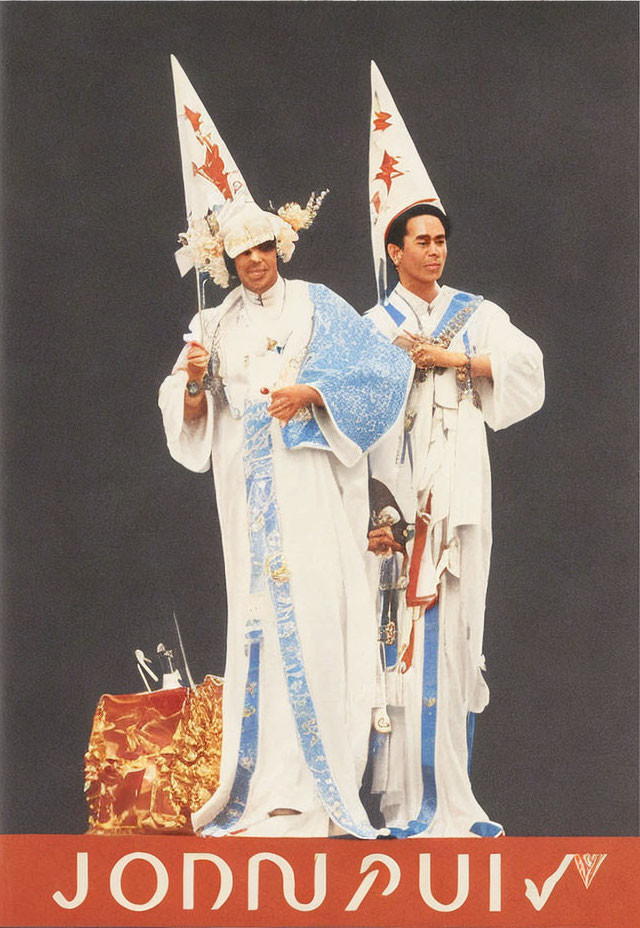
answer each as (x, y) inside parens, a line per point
(473, 366)
(301, 387)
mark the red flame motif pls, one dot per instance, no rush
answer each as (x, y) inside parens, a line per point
(381, 122)
(213, 167)
(376, 201)
(388, 170)
(194, 118)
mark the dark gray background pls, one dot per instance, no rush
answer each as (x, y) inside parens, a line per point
(526, 115)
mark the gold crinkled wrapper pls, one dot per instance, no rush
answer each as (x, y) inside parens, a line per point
(153, 758)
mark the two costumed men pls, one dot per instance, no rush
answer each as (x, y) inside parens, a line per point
(284, 388)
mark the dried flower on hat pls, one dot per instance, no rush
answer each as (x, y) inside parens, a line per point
(203, 243)
(299, 218)
(285, 242)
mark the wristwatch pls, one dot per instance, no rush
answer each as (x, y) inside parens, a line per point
(194, 387)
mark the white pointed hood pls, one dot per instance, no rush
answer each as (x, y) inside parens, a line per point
(221, 213)
(397, 177)
(210, 175)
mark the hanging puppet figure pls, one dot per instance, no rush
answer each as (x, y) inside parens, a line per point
(284, 388)
(472, 366)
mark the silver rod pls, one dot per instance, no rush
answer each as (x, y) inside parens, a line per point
(184, 656)
(198, 287)
(144, 679)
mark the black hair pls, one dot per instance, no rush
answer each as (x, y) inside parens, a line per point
(398, 228)
(230, 265)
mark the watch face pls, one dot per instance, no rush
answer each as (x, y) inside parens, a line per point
(193, 388)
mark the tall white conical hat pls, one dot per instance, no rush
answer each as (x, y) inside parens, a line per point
(221, 213)
(397, 177)
(210, 175)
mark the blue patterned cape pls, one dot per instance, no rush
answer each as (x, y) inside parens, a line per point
(362, 377)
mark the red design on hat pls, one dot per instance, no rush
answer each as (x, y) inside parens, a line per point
(388, 170)
(381, 122)
(194, 118)
(213, 169)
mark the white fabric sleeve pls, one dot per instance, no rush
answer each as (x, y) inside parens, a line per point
(516, 389)
(383, 322)
(189, 443)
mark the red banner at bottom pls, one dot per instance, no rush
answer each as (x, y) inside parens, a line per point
(182, 881)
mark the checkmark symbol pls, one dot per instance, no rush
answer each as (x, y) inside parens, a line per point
(539, 898)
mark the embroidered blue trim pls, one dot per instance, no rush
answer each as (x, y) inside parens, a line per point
(266, 543)
(264, 528)
(471, 729)
(397, 316)
(263, 541)
(487, 829)
(230, 815)
(458, 303)
(362, 377)
(429, 715)
(483, 829)
(307, 434)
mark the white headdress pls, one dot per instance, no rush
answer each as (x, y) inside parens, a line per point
(221, 213)
(397, 177)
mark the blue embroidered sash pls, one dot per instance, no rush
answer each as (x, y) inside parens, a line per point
(428, 727)
(456, 316)
(267, 558)
(228, 817)
(485, 829)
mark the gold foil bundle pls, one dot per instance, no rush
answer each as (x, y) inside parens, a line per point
(153, 758)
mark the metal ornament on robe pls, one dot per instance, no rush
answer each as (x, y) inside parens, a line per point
(397, 177)
(456, 317)
(391, 583)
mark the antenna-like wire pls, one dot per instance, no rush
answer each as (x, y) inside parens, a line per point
(184, 656)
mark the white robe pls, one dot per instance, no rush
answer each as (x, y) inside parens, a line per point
(450, 464)
(323, 513)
